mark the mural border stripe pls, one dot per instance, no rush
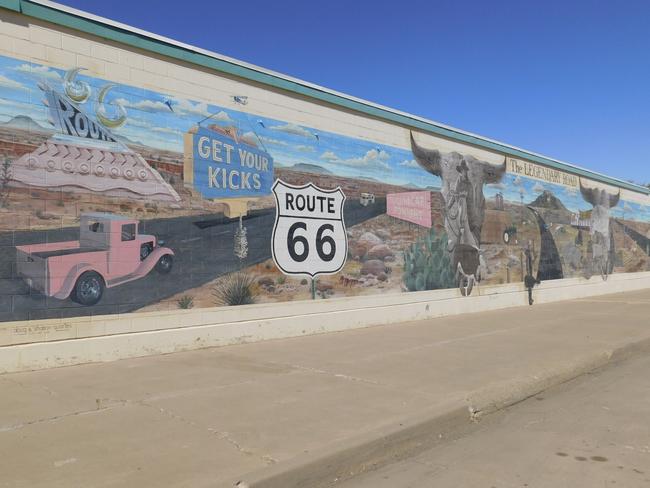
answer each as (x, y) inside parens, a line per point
(54, 13)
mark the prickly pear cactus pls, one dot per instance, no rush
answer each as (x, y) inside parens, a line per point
(427, 265)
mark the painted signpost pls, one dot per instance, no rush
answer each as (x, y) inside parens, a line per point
(309, 236)
(223, 165)
(412, 206)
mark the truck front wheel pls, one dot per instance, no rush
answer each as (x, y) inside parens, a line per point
(89, 288)
(164, 264)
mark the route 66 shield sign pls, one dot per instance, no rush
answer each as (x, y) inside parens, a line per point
(309, 236)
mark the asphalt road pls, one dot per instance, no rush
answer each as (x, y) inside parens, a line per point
(550, 264)
(203, 248)
(590, 432)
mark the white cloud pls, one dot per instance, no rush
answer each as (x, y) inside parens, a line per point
(373, 159)
(538, 187)
(179, 105)
(11, 108)
(381, 154)
(39, 71)
(144, 105)
(293, 129)
(498, 186)
(9, 83)
(306, 149)
(329, 156)
(250, 137)
(276, 142)
(138, 123)
(165, 130)
(518, 181)
(184, 106)
(410, 163)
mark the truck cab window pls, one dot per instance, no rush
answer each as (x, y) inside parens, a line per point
(128, 232)
(96, 227)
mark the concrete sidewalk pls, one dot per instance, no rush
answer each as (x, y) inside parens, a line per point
(302, 411)
(591, 432)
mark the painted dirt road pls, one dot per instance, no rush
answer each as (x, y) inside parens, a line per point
(642, 241)
(204, 250)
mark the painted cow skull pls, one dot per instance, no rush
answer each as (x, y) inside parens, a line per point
(602, 202)
(463, 178)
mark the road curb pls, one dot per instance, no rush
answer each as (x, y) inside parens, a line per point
(371, 450)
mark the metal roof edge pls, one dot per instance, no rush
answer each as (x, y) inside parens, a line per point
(99, 26)
(10, 5)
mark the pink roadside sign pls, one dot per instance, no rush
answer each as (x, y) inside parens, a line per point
(412, 206)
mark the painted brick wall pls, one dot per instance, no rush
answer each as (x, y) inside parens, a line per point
(488, 210)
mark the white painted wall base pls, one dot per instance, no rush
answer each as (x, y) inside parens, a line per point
(45, 344)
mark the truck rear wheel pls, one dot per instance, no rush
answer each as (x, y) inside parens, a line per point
(89, 288)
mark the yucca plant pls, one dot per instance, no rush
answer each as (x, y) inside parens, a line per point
(6, 175)
(235, 289)
(241, 241)
(186, 302)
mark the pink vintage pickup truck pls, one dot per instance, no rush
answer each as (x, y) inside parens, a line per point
(109, 252)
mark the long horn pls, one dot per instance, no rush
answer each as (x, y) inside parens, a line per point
(429, 159)
(587, 193)
(614, 199)
(492, 173)
(100, 111)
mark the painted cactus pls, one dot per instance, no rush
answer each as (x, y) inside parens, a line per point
(427, 265)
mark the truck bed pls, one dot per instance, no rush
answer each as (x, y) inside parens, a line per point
(65, 252)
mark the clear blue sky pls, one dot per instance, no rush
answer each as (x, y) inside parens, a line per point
(568, 79)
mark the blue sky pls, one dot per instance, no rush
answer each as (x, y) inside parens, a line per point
(566, 79)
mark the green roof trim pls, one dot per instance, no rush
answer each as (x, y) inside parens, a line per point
(142, 41)
(10, 4)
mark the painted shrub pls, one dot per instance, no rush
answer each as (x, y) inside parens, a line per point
(173, 198)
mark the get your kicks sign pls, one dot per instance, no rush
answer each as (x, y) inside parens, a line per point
(309, 236)
(224, 165)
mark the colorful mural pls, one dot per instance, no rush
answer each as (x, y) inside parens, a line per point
(115, 198)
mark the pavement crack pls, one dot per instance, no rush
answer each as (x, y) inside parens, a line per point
(335, 375)
(228, 438)
(56, 418)
(221, 435)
